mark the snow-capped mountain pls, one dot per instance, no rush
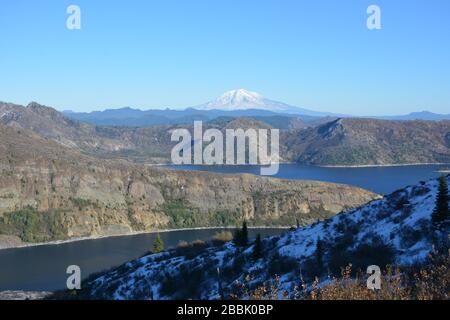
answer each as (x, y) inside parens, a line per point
(242, 99)
(393, 230)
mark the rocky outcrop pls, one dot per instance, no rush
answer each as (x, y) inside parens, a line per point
(49, 192)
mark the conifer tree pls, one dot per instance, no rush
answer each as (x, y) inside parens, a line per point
(440, 215)
(244, 233)
(241, 236)
(237, 237)
(257, 249)
(319, 255)
(158, 244)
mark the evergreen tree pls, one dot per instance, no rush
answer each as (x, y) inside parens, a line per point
(244, 233)
(237, 237)
(158, 244)
(257, 249)
(440, 216)
(319, 255)
(241, 235)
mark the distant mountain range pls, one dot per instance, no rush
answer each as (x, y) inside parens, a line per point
(318, 141)
(423, 115)
(234, 103)
(137, 118)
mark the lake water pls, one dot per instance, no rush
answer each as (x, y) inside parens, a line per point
(382, 180)
(43, 268)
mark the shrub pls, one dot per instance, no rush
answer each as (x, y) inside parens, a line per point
(279, 265)
(190, 250)
(82, 203)
(376, 252)
(34, 226)
(221, 237)
(372, 251)
(169, 285)
(430, 282)
(410, 236)
(199, 244)
(182, 245)
(401, 203)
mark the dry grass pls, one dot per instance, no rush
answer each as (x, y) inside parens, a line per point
(222, 237)
(431, 282)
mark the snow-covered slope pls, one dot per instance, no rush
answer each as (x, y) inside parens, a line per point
(242, 99)
(395, 229)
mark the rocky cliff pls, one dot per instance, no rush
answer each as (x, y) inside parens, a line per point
(49, 192)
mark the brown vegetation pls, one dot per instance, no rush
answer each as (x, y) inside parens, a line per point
(430, 282)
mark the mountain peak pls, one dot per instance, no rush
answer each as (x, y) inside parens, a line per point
(237, 99)
(242, 99)
(239, 96)
(34, 105)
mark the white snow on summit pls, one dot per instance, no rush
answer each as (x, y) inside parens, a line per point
(241, 99)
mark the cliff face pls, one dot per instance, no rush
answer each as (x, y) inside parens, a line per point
(50, 192)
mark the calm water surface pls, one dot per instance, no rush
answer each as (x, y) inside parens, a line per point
(382, 180)
(42, 268)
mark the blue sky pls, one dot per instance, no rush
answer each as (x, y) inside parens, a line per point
(179, 53)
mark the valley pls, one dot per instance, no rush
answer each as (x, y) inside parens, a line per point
(53, 192)
(224, 155)
(63, 180)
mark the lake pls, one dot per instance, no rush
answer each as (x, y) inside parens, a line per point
(382, 180)
(43, 268)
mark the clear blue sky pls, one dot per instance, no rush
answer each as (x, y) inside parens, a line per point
(178, 53)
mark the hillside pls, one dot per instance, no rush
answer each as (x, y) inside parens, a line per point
(150, 144)
(325, 141)
(370, 142)
(393, 230)
(49, 192)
